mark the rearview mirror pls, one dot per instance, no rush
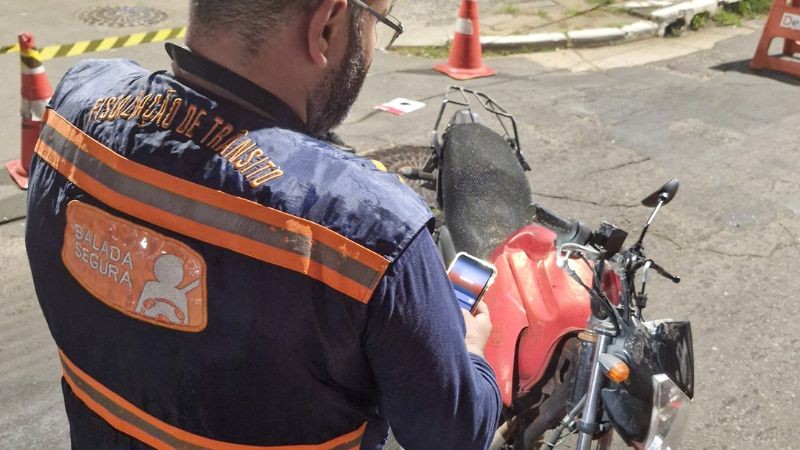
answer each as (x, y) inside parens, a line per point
(665, 194)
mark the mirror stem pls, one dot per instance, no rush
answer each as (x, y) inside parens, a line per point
(649, 222)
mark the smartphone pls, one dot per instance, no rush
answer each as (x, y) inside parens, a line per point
(471, 277)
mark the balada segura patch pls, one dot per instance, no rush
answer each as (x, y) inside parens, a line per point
(135, 270)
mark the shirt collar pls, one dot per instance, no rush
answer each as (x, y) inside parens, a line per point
(241, 89)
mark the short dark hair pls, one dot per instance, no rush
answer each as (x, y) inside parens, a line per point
(252, 20)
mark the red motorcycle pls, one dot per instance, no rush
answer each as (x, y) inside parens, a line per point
(570, 347)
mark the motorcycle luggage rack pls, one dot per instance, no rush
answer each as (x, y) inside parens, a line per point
(505, 119)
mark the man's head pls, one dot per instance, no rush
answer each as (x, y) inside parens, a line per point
(314, 54)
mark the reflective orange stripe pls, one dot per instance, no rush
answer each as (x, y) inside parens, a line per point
(275, 237)
(127, 418)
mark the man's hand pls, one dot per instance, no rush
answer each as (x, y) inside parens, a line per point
(479, 327)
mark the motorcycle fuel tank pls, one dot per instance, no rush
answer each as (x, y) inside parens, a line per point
(533, 302)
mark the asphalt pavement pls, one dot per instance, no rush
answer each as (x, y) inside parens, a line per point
(602, 129)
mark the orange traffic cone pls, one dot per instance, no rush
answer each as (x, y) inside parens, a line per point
(36, 92)
(783, 22)
(465, 55)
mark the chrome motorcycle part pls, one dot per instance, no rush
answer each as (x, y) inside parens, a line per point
(568, 422)
(566, 251)
(657, 200)
(588, 339)
(467, 98)
(588, 424)
(670, 415)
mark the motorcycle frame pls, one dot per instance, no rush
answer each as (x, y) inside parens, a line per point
(612, 325)
(504, 118)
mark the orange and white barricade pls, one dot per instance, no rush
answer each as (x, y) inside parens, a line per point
(783, 22)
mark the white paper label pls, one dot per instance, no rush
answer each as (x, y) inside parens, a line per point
(790, 21)
(400, 106)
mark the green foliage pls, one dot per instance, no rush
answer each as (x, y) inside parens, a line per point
(727, 18)
(747, 9)
(753, 8)
(430, 52)
(699, 21)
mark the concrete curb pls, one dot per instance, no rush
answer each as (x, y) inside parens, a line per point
(681, 15)
(594, 37)
(658, 15)
(540, 41)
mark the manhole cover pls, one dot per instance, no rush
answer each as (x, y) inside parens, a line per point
(122, 16)
(396, 158)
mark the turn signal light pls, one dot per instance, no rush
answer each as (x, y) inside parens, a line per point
(614, 368)
(619, 372)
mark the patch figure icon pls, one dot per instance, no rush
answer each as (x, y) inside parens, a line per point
(161, 299)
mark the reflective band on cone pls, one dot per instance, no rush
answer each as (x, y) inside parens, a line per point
(34, 109)
(464, 26)
(32, 70)
(35, 91)
(466, 61)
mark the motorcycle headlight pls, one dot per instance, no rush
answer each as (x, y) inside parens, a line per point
(670, 415)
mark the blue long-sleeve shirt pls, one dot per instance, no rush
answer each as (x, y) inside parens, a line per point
(435, 393)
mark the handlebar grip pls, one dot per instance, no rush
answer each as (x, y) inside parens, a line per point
(413, 173)
(565, 228)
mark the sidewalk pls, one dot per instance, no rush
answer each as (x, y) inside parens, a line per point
(550, 24)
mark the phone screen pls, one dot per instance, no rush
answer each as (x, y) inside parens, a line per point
(470, 277)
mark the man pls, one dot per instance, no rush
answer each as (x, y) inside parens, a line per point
(216, 277)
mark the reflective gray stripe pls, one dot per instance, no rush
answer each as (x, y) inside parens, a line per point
(123, 414)
(206, 214)
(130, 418)
(349, 445)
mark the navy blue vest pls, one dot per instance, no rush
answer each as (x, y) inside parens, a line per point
(256, 338)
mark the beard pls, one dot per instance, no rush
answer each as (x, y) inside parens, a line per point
(331, 100)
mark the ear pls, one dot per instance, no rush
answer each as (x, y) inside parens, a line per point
(329, 24)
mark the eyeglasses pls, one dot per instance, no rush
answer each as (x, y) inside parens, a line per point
(385, 37)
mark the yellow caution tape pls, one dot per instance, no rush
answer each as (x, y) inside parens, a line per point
(100, 45)
(9, 49)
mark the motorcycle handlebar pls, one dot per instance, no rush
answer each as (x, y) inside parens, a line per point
(567, 230)
(551, 221)
(413, 173)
